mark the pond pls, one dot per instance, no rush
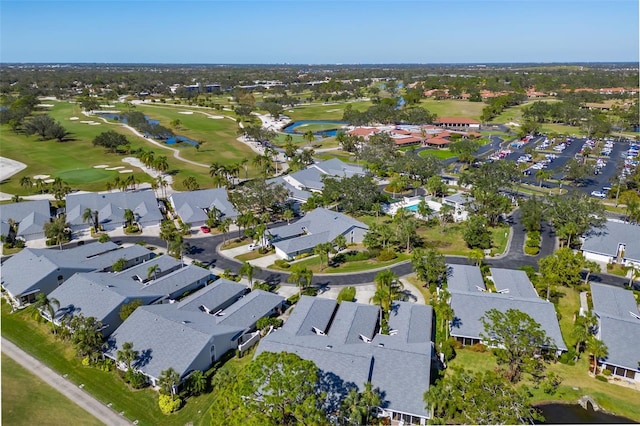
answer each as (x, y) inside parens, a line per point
(575, 414)
(176, 139)
(321, 128)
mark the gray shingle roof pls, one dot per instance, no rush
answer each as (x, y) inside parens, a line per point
(168, 337)
(219, 295)
(458, 198)
(619, 324)
(398, 364)
(246, 311)
(190, 206)
(338, 168)
(294, 193)
(309, 178)
(30, 216)
(352, 321)
(41, 263)
(178, 281)
(98, 295)
(321, 225)
(613, 301)
(622, 338)
(513, 282)
(464, 278)
(128, 253)
(605, 240)
(470, 307)
(166, 264)
(310, 312)
(111, 207)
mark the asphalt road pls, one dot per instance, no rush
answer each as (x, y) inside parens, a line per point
(204, 250)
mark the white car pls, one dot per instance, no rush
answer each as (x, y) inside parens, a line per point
(598, 194)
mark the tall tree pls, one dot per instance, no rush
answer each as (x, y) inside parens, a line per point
(47, 307)
(57, 230)
(249, 271)
(168, 381)
(283, 387)
(429, 266)
(517, 339)
(357, 408)
(598, 350)
(482, 398)
(301, 276)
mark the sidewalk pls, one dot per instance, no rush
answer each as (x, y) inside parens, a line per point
(65, 387)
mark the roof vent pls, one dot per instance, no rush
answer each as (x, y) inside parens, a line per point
(393, 332)
(186, 322)
(318, 331)
(329, 347)
(365, 339)
(635, 315)
(381, 345)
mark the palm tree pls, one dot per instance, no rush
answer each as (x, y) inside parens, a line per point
(57, 230)
(309, 136)
(323, 250)
(128, 217)
(288, 215)
(162, 183)
(219, 174)
(591, 267)
(353, 409)
(161, 164)
(598, 350)
(224, 226)
(153, 270)
(197, 382)
(476, 256)
(301, 276)
(424, 210)
(248, 270)
(26, 182)
(47, 307)
(91, 217)
(340, 242)
(127, 354)
(389, 288)
(168, 380)
(543, 175)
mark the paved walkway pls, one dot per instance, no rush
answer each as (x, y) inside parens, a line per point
(65, 387)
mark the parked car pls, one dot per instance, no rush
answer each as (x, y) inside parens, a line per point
(598, 194)
(205, 229)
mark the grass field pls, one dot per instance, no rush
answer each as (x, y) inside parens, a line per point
(454, 108)
(141, 405)
(27, 400)
(442, 154)
(330, 111)
(73, 160)
(314, 264)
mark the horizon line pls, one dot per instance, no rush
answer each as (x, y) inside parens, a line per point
(3, 63)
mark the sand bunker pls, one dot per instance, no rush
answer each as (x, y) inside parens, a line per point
(115, 168)
(185, 112)
(49, 180)
(216, 117)
(100, 166)
(9, 167)
(45, 105)
(73, 118)
(94, 123)
(36, 177)
(126, 171)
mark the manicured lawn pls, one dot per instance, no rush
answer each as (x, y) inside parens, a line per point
(27, 400)
(316, 266)
(347, 157)
(442, 154)
(324, 112)
(317, 127)
(255, 254)
(454, 108)
(141, 405)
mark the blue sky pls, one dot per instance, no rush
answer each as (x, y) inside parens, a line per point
(319, 31)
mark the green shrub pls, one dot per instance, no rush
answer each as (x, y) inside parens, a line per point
(602, 378)
(386, 255)
(281, 263)
(478, 347)
(302, 255)
(551, 383)
(169, 404)
(532, 251)
(347, 294)
(266, 322)
(568, 358)
(263, 285)
(135, 379)
(293, 299)
(354, 256)
(606, 372)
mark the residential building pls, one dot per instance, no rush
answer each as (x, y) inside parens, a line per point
(111, 207)
(471, 300)
(49, 268)
(616, 310)
(194, 206)
(615, 242)
(194, 333)
(345, 343)
(460, 202)
(29, 216)
(318, 226)
(458, 123)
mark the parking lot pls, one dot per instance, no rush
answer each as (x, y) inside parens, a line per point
(607, 174)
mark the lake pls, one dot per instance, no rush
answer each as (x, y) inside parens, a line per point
(575, 414)
(325, 133)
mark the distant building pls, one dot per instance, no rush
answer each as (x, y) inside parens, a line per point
(616, 242)
(458, 123)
